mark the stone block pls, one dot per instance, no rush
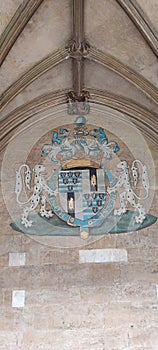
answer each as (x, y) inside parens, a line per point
(68, 316)
(119, 292)
(144, 337)
(15, 318)
(56, 276)
(7, 297)
(139, 272)
(80, 339)
(43, 255)
(105, 241)
(8, 340)
(146, 238)
(52, 296)
(143, 254)
(4, 260)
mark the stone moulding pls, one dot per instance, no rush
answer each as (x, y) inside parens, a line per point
(36, 71)
(62, 54)
(24, 112)
(126, 72)
(26, 10)
(138, 114)
(142, 22)
(23, 14)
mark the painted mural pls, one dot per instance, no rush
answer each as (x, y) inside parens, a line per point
(82, 196)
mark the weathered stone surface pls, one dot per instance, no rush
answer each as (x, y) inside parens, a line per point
(52, 296)
(120, 292)
(157, 289)
(52, 35)
(4, 260)
(143, 255)
(47, 256)
(139, 272)
(66, 305)
(9, 340)
(144, 337)
(102, 78)
(94, 339)
(7, 11)
(147, 238)
(151, 11)
(11, 241)
(113, 32)
(82, 339)
(54, 276)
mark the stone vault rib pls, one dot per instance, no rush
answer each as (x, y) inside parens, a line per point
(145, 120)
(140, 116)
(142, 22)
(95, 55)
(36, 71)
(126, 72)
(23, 14)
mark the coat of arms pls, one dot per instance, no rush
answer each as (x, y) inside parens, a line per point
(82, 192)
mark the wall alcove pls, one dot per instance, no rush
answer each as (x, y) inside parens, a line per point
(96, 291)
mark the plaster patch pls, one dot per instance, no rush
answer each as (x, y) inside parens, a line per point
(17, 259)
(18, 298)
(102, 255)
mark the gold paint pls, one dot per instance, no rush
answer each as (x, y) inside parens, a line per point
(70, 221)
(90, 222)
(84, 234)
(93, 180)
(80, 163)
(71, 203)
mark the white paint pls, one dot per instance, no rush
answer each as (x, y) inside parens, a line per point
(85, 181)
(100, 180)
(17, 259)
(18, 298)
(102, 255)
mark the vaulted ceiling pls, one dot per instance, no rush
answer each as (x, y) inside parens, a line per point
(120, 67)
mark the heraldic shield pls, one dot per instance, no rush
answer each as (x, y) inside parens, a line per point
(82, 196)
(82, 190)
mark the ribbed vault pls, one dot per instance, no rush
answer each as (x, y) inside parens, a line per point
(139, 74)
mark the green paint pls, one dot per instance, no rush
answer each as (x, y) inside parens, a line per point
(56, 227)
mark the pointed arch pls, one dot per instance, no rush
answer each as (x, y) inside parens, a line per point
(36, 71)
(126, 72)
(16, 25)
(140, 116)
(142, 22)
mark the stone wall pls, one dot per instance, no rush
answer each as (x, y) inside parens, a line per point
(92, 294)
(54, 298)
